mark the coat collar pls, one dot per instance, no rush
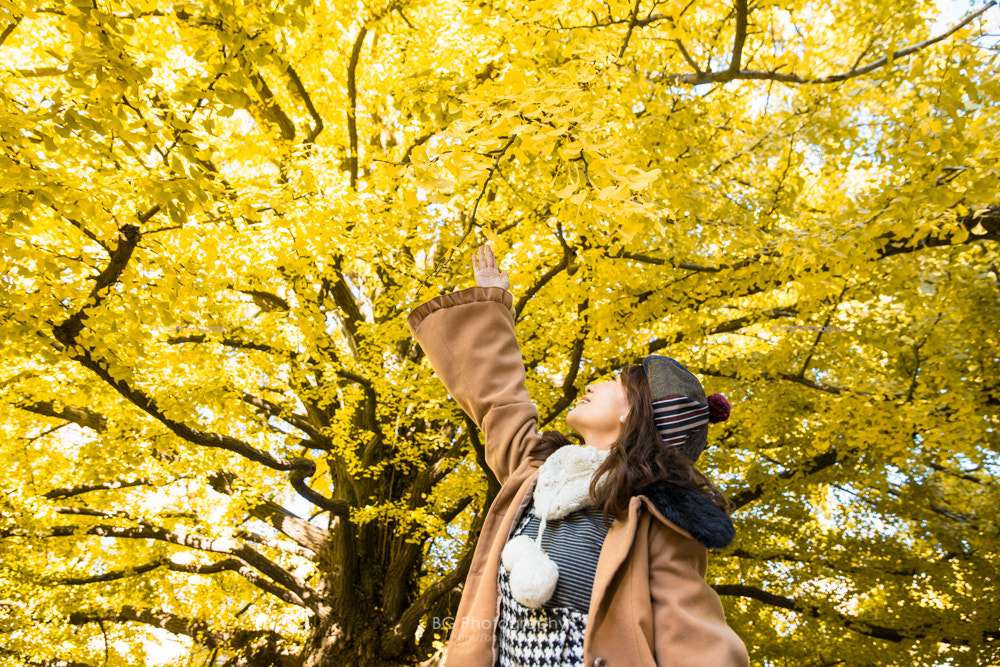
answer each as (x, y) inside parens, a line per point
(688, 509)
(685, 508)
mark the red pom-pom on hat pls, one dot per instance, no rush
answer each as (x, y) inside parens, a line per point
(718, 408)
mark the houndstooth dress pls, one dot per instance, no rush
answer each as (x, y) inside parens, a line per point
(552, 636)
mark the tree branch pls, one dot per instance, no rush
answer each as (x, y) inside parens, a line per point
(988, 218)
(298, 477)
(259, 562)
(83, 416)
(742, 12)
(805, 382)
(344, 299)
(227, 565)
(727, 327)
(192, 435)
(569, 390)
(178, 625)
(114, 575)
(276, 544)
(861, 627)
(235, 343)
(307, 99)
(395, 639)
(731, 75)
(352, 96)
(300, 422)
(296, 528)
(369, 418)
(497, 154)
(28, 661)
(539, 284)
(240, 568)
(11, 27)
(128, 239)
(687, 56)
(857, 625)
(265, 300)
(270, 106)
(808, 467)
(67, 332)
(419, 141)
(68, 492)
(957, 474)
(633, 20)
(492, 484)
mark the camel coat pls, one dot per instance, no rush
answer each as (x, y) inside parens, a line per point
(650, 604)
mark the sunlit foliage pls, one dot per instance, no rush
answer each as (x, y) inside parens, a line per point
(221, 444)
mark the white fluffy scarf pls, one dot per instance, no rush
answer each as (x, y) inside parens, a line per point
(563, 486)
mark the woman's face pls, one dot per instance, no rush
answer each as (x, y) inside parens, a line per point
(597, 416)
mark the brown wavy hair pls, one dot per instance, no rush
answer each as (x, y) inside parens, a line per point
(638, 457)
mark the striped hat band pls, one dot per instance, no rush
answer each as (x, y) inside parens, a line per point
(677, 416)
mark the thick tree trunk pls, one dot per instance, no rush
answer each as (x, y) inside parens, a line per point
(332, 644)
(350, 628)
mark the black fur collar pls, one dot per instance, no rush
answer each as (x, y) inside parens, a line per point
(693, 512)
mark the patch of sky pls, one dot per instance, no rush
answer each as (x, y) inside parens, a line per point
(354, 289)
(207, 416)
(298, 506)
(332, 322)
(951, 12)
(283, 426)
(865, 522)
(869, 126)
(896, 476)
(555, 376)
(447, 550)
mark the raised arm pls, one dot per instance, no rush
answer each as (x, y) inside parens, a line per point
(468, 337)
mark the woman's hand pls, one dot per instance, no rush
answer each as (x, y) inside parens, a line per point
(486, 271)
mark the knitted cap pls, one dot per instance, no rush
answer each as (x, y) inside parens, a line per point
(681, 410)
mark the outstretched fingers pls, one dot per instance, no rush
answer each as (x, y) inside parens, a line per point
(486, 258)
(486, 271)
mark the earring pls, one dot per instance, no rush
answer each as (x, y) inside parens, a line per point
(622, 419)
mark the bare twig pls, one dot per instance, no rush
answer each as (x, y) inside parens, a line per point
(475, 208)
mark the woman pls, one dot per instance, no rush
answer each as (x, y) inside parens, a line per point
(591, 554)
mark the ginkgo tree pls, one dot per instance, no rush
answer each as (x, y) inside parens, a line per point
(217, 215)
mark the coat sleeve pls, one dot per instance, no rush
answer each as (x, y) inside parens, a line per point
(468, 337)
(689, 624)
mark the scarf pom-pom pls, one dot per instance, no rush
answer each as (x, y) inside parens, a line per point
(718, 408)
(533, 580)
(517, 549)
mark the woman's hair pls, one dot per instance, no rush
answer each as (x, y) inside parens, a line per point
(638, 458)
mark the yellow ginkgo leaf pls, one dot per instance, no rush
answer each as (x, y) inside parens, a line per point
(566, 191)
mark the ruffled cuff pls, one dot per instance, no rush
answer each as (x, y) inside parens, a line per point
(461, 297)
